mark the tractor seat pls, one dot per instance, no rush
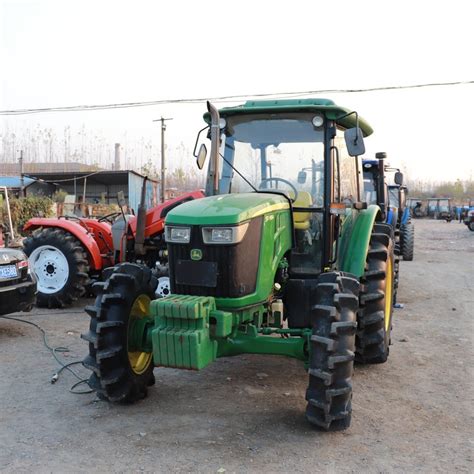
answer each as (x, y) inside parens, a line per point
(301, 220)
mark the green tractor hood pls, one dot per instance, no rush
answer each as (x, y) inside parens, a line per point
(226, 209)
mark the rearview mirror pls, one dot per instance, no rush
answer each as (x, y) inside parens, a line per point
(398, 178)
(201, 156)
(302, 177)
(354, 141)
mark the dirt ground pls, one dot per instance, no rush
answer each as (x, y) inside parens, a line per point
(246, 414)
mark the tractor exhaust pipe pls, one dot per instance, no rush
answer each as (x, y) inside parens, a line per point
(214, 160)
(141, 222)
(381, 191)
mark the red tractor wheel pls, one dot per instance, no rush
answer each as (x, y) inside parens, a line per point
(60, 264)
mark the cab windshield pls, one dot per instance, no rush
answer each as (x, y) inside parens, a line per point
(443, 205)
(280, 153)
(393, 197)
(283, 153)
(369, 189)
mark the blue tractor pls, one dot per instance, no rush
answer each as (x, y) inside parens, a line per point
(392, 200)
(399, 216)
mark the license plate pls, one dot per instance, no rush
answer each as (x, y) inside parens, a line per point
(8, 271)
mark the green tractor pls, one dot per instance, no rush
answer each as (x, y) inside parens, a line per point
(271, 261)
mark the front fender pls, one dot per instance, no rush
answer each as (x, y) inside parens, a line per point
(75, 229)
(355, 239)
(406, 216)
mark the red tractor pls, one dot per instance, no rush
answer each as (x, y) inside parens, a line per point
(68, 253)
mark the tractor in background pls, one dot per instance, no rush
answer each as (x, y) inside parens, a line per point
(467, 215)
(68, 253)
(400, 217)
(269, 262)
(416, 207)
(440, 208)
(392, 199)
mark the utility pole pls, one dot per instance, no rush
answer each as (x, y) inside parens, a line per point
(22, 179)
(117, 157)
(163, 168)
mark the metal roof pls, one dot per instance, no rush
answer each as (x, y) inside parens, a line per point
(15, 181)
(103, 177)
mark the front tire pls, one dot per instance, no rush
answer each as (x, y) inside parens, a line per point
(471, 226)
(376, 298)
(333, 320)
(60, 264)
(118, 373)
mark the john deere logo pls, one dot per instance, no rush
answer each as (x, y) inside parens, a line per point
(196, 254)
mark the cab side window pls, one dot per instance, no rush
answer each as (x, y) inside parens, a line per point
(350, 173)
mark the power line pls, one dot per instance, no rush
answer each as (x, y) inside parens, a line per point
(125, 105)
(76, 178)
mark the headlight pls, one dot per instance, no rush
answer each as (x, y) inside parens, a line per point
(224, 235)
(178, 235)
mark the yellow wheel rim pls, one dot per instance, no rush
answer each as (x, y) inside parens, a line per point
(388, 294)
(139, 361)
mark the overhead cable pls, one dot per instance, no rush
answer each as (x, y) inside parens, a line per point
(273, 95)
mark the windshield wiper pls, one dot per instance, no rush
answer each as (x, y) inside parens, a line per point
(239, 173)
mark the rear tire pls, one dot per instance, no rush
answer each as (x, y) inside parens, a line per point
(119, 375)
(60, 264)
(333, 319)
(471, 226)
(376, 298)
(407, 241)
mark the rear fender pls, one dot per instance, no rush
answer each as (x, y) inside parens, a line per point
(355, 239)
(75, 229)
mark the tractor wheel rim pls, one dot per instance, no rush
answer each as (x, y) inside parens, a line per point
(51, 268)
(139, 360)
(163, 288)
(388, 294)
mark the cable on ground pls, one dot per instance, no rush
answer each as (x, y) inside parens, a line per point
(55, 351)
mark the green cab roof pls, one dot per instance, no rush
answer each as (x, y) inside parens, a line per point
(325, 106)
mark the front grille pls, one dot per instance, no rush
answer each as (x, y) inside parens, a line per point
(237, 265)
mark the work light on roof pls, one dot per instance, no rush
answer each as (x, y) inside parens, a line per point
(318, 121)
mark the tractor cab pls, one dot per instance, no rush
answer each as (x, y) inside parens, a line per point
(440, 208)
(296, 150)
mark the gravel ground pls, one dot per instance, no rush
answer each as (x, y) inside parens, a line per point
(246, 414)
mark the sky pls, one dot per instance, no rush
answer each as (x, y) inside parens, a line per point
(61, 53)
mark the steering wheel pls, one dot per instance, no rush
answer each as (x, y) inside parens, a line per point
(283, 181)
(109, 217)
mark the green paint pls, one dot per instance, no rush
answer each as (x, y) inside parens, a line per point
(225, 209)
(250, 342)
(325, 106)
(181, 336)
(138, 330)
(354, 241)
(189, 333)
(220, 323)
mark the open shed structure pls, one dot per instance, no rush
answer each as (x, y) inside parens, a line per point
(99, 186)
